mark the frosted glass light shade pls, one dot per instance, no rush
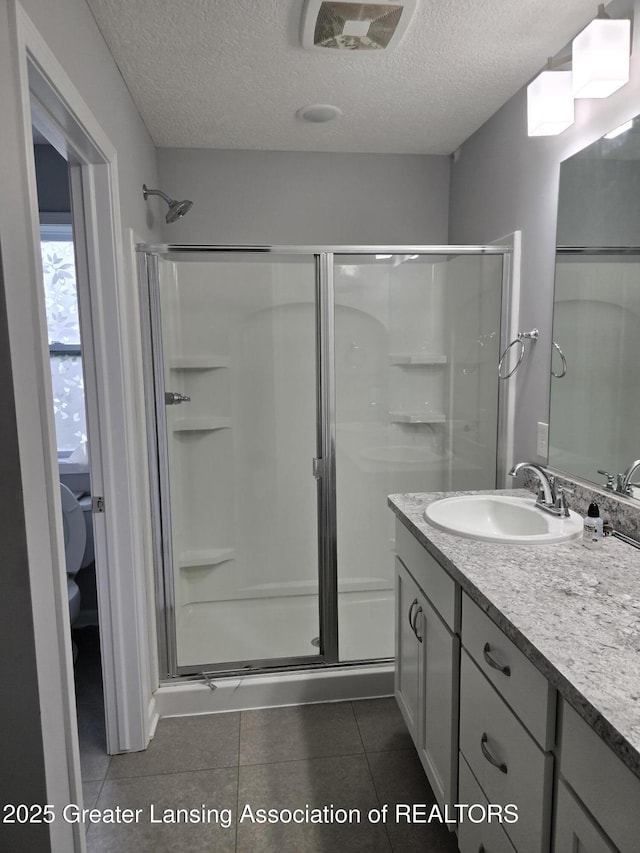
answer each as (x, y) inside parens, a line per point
(550, 103)
(600, 56)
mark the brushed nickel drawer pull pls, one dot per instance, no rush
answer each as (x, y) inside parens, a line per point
(501, 766)
(415, 623)
(505, 670)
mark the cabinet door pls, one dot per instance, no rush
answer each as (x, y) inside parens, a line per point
(408, 659)
(438, 736)
(575, 829)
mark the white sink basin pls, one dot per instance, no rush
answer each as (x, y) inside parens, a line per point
(502, 518)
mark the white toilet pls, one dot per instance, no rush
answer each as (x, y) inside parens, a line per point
(75, 542)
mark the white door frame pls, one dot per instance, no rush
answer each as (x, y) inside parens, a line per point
(113, 360)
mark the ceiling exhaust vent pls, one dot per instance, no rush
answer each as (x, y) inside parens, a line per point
(355, 26)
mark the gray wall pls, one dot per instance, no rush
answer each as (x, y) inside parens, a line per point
(70, 31)
(286, 197)
(502, 181)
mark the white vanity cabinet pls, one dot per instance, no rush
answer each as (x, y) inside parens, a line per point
(427, 655)
(598, 798)
(491, 729)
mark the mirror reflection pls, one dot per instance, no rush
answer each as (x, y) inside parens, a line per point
(594, 427)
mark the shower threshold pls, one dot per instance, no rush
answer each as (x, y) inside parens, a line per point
(246, 689)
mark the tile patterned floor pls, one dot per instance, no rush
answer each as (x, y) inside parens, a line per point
(348, 755)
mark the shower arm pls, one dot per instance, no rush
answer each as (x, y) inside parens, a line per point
(146, 193)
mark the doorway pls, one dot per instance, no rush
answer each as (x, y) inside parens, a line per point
(107, 308)
(60, 267)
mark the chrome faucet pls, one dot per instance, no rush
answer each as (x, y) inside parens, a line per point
(625, 485)
(547, 499)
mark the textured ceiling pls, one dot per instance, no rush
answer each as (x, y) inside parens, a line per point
(232, 73)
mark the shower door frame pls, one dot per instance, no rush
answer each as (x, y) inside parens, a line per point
(324, 464)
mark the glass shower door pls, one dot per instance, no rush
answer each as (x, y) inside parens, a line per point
(417, 339)
(235, 348)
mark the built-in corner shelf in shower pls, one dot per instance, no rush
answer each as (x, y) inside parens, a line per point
(409, 359)
(199, 362)
(206, 557)
(417, 417)
(200, 424)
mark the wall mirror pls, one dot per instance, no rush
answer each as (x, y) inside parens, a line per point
(594, 423)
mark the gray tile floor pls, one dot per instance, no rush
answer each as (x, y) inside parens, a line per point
(347, 755)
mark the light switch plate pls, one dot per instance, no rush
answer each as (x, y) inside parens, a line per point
(542, 439)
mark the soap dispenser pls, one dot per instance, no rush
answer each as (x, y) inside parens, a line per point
(592, 527)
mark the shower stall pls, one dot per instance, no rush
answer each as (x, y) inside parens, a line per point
(290, 391)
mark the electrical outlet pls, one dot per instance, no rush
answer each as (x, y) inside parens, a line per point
(542, 440)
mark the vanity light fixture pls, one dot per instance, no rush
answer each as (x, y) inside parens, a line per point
(550, 102)
(599, 66)
(601, 57)
(619, 130)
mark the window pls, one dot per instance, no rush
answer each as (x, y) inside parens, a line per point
(63, 322)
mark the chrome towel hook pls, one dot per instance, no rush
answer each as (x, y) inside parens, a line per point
(533, 335)
(564, 363)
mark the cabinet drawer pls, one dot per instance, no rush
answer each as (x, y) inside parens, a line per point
(490, 732)
(606, 786)
(437, 585)
(574, 827)
(524, 688)
(487, 836)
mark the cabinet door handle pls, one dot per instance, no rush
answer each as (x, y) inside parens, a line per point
(505, 670)
(415, 623)
(413, 604)
(501, 766)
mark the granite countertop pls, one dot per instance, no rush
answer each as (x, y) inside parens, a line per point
(574, 612)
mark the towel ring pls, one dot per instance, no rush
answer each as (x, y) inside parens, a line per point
(564, 363)
(533, 335)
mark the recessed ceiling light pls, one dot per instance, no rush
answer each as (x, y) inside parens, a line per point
(319, 112)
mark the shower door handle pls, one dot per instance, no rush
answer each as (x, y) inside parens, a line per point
(173, 398)
(318, 468)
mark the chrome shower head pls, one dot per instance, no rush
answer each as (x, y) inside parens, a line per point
(177, 209)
